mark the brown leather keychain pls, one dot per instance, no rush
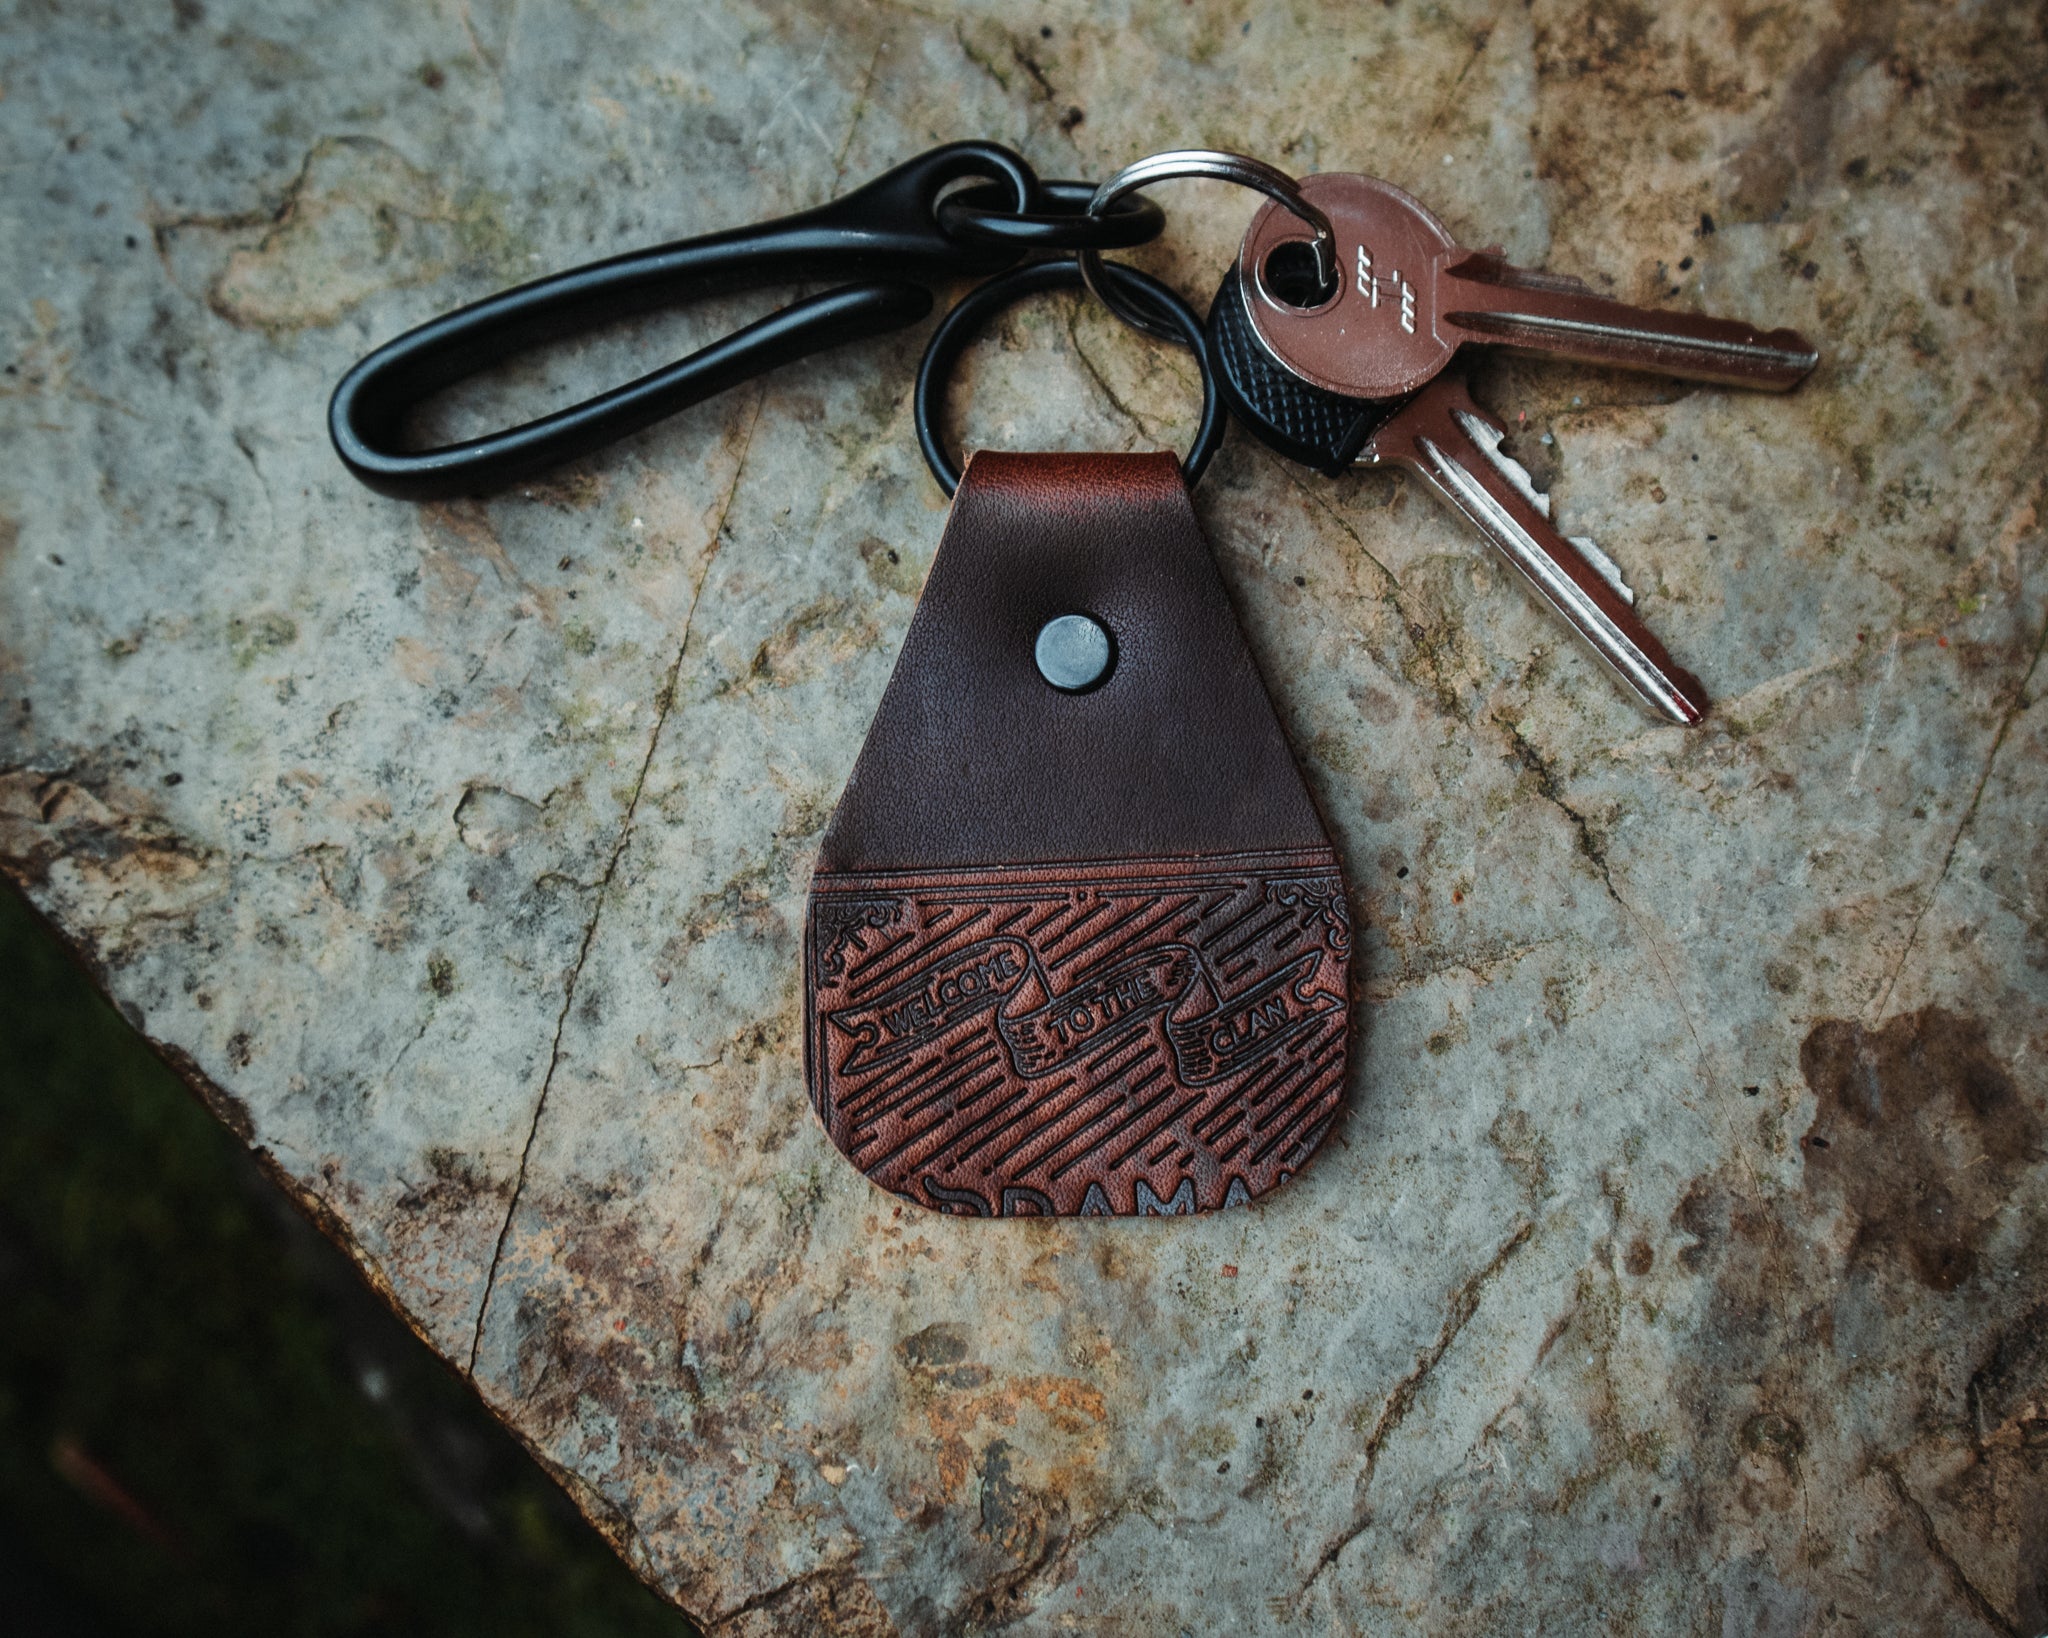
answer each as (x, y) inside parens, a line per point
(1077, 942)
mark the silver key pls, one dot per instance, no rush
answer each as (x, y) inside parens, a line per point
(1453, 446)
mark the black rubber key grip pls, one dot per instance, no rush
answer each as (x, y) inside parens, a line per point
(1321, 429)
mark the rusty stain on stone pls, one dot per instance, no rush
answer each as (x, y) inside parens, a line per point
(1921, 1134)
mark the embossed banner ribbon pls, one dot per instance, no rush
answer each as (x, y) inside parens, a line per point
(1211, 1039)
(1234, 1034)
(933, 1001)
(1102, 1006)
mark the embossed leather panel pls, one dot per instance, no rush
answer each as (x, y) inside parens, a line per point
(1076, 954)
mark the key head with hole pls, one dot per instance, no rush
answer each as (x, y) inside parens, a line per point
(1408, 296)
(1376, 336)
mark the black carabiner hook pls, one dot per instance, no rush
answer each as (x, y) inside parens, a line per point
(886, 231)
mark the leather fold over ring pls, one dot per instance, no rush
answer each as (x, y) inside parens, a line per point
(966, 321)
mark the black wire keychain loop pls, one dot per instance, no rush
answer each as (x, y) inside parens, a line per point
(895, 235)
(885, 228)
(959, 328)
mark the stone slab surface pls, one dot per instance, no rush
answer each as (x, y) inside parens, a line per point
(1678, 1264)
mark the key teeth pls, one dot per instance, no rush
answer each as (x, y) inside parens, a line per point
(1609, 570)
(1487, 437)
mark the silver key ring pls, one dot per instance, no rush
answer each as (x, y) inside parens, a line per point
(1213, 164)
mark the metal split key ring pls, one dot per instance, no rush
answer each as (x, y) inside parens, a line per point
(1216, 165)
(1166, 315)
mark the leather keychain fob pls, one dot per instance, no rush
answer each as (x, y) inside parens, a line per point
(1077, 942)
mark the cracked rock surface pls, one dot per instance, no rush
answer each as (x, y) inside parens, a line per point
(1677, 1264)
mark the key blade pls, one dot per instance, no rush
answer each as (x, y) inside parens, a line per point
(1453, 446)
(1489, 301)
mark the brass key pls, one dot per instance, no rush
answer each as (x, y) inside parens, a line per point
(1408, 296)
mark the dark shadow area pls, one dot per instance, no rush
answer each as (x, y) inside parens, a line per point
(208, 1423)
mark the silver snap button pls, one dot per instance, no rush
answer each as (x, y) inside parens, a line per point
(1072, 652)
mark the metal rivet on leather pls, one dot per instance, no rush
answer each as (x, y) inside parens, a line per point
(1072, 652)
